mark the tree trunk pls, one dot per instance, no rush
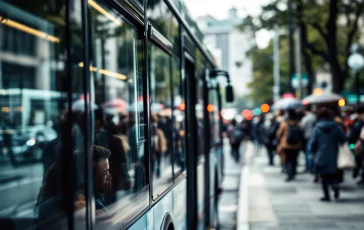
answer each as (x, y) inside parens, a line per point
(307, 57)
(309, 70)
(337, 74)
(304, 40)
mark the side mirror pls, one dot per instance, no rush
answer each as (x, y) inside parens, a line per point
(229, 93)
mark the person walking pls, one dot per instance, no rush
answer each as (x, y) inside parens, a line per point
(354, 136)
(279, 119)
(324, 143)
(235, 137)
(307, 124)
(290, 137)
(270, 128)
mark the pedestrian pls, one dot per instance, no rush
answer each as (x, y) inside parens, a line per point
(290, 137)
(159, 145)
(307, 124)
(235, 137)
(270, 126)
(354, 135)
(279, 118)
(324, 143)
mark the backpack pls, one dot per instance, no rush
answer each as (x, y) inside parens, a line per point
(294, 135)
(236, 136)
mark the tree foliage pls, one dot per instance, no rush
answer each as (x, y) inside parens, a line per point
(262, 83)
(328, 29)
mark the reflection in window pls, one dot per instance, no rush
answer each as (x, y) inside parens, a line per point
(179, 118)
(213, 117)
(116, 70)
(36, 132)
(161, 137)
(163, 19)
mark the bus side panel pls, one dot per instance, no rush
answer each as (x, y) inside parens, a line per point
(179, 205)
(144, 223)
(163, 206)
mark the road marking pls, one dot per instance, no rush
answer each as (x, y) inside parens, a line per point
(14, 184)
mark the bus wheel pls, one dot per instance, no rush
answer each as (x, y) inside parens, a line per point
(167, 223)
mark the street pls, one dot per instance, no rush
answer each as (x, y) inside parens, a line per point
(20, 186)
(273, 204)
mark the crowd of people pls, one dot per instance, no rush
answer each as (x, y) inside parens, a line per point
(114, 153)
(320, 134)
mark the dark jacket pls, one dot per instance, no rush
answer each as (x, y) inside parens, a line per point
(355, 131)
(324, 144)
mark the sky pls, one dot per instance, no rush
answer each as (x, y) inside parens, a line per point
(219, 9)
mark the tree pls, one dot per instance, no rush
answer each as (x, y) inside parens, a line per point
(262, 82)
(328, 36)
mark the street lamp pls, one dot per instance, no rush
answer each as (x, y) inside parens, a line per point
(356, 63)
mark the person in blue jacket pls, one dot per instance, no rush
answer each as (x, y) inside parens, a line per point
(324, 144)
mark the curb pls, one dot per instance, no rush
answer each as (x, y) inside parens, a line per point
(243, 208)
(243, 203)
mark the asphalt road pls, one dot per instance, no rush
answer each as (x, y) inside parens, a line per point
(19, 188)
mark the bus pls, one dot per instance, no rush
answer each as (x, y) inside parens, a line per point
(131, 102)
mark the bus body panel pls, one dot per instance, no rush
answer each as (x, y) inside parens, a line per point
(179, 205)
(144, 223)
(161, 209)
(173, 203)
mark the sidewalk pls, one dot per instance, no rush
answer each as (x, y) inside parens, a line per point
(272, 204)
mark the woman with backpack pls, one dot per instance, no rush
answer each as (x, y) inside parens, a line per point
(324, 143)
(290, 137)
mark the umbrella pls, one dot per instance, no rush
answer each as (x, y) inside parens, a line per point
(287, 103)
(79, 105)
(117, 103)
(156, 107)
(321, 98)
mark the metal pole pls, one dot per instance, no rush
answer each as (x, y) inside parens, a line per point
(291, 45)
(298, 62)
(276, 88)
(357, 83)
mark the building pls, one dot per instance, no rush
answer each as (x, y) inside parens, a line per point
(229, 46)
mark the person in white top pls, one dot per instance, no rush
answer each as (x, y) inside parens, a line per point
(307, 124)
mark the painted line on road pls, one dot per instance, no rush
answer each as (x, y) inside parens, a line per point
(20, 183)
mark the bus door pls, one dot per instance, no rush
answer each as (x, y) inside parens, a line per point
(214, 148)
(193, 127)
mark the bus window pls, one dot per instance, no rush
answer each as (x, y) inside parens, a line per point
(179, 130)
(38, 124)
(117, 91)
(164, 21)
(161, 137)
(213, 118)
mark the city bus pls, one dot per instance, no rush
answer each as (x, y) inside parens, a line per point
(131, 101)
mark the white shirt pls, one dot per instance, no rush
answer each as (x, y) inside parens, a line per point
(307, 123)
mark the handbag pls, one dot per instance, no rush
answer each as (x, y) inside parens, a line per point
(345, 159)
(358, 147)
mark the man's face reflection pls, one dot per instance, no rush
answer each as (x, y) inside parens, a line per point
(102, 176)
